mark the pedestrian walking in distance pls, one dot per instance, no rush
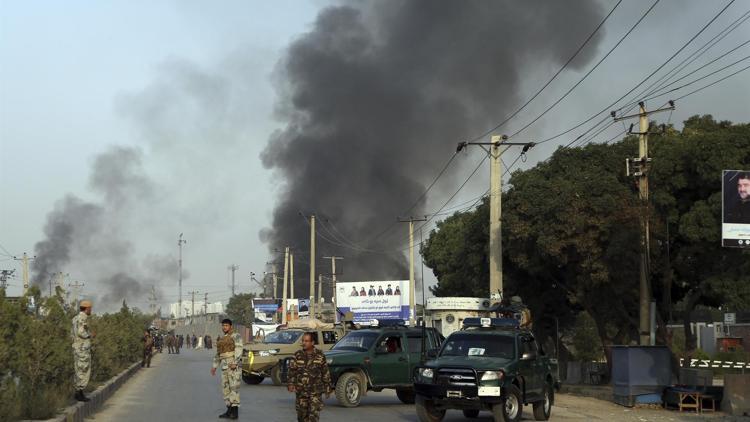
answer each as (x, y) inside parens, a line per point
(229, 358)
(309, 379)
(82, 335)
(148, 345)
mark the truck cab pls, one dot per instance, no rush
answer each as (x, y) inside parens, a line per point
(382, 356)
(490, 365)
(265, 359)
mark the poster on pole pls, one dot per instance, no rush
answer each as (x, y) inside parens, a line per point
(735, 227)
(369, 300)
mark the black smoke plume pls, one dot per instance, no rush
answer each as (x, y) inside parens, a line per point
(375, 99)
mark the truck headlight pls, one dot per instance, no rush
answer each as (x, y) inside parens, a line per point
(426, 373)
(273, 351)
(329, 361)
(493, 376)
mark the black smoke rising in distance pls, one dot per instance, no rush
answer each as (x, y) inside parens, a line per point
(375, 97)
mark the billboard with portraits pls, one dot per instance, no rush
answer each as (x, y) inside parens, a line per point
(735, 227)
(369, 300)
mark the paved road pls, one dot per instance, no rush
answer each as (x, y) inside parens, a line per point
(179, 388)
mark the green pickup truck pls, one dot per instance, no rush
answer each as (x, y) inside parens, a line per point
(379, 357)
(491, 364)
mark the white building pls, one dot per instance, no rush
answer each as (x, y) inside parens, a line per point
(187, 308)
(447, 314)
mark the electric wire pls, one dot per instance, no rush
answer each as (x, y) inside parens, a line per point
(659, 84)
(564, 66)
(580, 81)
(609, 107)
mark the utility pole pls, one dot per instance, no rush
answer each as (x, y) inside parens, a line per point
(152, 300)
(412, 280)
(180, 242)
(640, 171)
(205, 304)
(333, 280)
(25, 265)
(312, 265)
(192, 310)
(284, 289)
(273, 276)
(319, 305)
(77, 287)
(291, 276)
(496, 192)
(233, 268)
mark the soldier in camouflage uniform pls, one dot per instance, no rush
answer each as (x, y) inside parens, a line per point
(309, 378)
(229, 356)
(82, 336)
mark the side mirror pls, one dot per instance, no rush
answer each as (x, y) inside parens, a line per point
(528, 356)
(432, 353)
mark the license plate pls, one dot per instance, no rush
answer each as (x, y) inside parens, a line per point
(454, 394)
(489, 391)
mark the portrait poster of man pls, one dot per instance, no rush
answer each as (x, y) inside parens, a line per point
(735, 228)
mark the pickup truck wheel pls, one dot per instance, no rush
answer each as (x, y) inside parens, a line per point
(406, 395)
(349, 389)
(276, 375)
(252, 379)
(511, 408)
(542, 409)
(471, 413)
(426, 411)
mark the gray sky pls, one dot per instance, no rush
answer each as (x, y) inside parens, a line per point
(188, 86)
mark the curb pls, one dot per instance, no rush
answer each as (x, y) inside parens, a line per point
(598, 392)
(81, 410)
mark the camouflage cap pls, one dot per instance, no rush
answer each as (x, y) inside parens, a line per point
(85, 304)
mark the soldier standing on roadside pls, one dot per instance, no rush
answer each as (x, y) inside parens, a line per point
(82, 336)
(309, 378)
(229, 356)
(148, 345)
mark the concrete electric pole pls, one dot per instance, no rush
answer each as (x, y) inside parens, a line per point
(77, 288)
(333, 280)
(291, 274)
(412, 280)
(640, 171)
(192, 307)
(180, 242)
(233, 268)
(312, 265)
(496, 192)
(25, 270)
(284, 289)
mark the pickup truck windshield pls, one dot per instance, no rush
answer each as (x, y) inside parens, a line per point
(357, 341)
(283, 337)
(472, 344)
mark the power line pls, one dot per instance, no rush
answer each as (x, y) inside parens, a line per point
(699, 79)
(512, 115)
(609, 107)
(552, 78)
(659, 84)
(712, 83)
(587, 73)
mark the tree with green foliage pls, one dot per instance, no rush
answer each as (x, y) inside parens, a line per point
(571, 232)
(240, 309)
(36, 373)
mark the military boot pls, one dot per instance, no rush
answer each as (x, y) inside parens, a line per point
(80, 397)
(227, 414)
(234, 412)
